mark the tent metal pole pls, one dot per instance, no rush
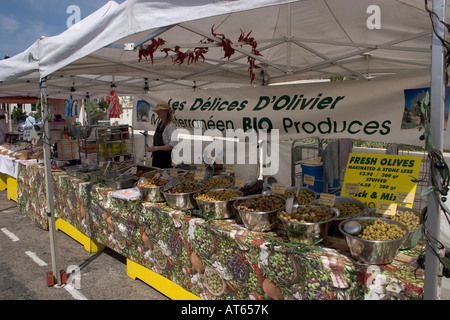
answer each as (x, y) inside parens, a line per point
(49, 184)
(437, 96)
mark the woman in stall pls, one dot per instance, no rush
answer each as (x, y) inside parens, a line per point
(162, 140)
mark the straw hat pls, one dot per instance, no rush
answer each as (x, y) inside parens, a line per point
(162, 106)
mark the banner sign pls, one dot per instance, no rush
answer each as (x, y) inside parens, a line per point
(381, 178)
(383, 109)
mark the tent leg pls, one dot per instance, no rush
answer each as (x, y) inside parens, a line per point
(49, 185)
(437, 96)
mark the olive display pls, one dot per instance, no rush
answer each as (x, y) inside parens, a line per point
(217, 182)
(185, 177)
(253, 188)
(152, 182)
(304, 196)
(218, 195)
(261, 203)
(348, 209)
(408, 218)
(186, 187)
(380, 230)
(307, 214)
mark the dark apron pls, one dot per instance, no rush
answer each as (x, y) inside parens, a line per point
(161, 159)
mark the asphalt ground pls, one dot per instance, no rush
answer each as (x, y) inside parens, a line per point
(25, 259)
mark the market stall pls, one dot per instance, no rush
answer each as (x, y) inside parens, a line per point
(128, 54)
(210, 258)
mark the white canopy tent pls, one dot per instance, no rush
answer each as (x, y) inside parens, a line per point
(297, 40)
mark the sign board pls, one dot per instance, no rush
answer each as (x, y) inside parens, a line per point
(388, 110)
(382, 178)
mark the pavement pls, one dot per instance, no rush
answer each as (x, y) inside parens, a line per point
(25, 258)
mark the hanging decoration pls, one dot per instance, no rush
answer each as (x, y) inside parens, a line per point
(115, 109)
(251, 61)
(193, 56)
(71, 108)
(151, 49)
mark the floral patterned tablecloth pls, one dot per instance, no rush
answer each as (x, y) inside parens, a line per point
(213, 259)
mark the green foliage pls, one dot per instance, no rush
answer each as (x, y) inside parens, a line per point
(18, 113)
(96, 110)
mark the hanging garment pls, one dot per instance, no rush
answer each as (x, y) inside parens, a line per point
(115, 109)
(71, 108)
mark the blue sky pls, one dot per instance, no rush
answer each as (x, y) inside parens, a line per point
(22, 22)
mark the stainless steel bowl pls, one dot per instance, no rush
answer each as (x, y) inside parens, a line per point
(153, 194)
(259, 221)
(289, 190)
(407, 244)
(308, 232)
(181, 201)
(217, 209)
(373, 251)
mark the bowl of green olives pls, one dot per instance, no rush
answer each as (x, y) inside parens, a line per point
(378, 240)
(181, 196)
(259, 212)
(217, 203)
(409, 217)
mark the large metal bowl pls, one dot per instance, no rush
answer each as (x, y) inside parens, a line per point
(308, 232)
(372, 251)
(181, 201)
(217, 209)
(259, 221)
(407, 244)
(153, 194)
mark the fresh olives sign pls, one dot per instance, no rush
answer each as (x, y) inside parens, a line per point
(368, 110)
(381, 178)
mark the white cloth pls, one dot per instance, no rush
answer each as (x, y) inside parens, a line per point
(30, 121)
(167, 134)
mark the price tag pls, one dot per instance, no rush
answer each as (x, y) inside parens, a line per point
(389, 209)
(405, 197)
(133, 170)
(199, 175)
(352, 188)
(309, 180)
(229, 168)
(200, 166)
(327, 199)
(239, 182)
(278, 188)
(121, 159)
(173, 172)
